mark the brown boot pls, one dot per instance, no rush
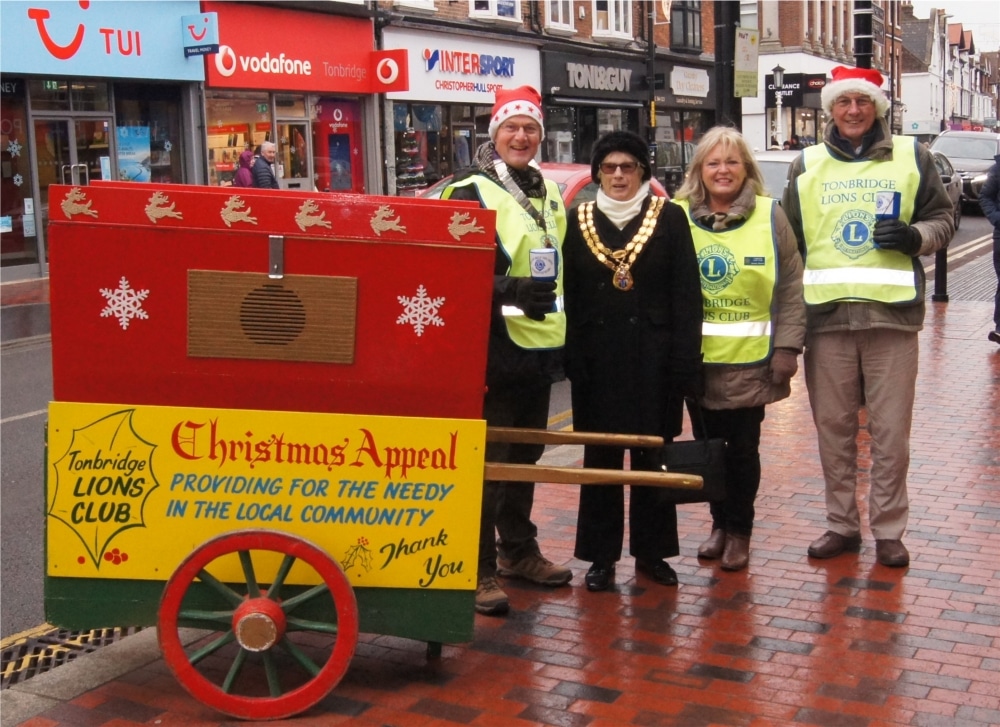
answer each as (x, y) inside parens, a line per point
(737, 552)
(712, 548)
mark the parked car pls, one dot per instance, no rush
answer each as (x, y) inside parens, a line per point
(952, 183)
(573, 180)
(774, 166)
(971, 153)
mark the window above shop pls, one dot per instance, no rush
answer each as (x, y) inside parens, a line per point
(496, 11)
(559, 16)
(612, 20)
(685, 26)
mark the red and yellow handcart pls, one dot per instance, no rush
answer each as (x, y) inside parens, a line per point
(266, 432)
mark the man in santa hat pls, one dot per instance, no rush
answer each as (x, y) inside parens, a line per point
(527, 333)
(864, 205)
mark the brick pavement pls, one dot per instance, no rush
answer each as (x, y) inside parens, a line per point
(846, 642)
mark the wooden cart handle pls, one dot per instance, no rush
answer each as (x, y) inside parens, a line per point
(546, 436)
(586, 476)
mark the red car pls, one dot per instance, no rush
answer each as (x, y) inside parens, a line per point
(573, 180)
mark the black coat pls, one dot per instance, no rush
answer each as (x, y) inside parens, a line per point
(263, 175)
(629, 353)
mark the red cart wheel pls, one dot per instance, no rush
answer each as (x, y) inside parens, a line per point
(259, 645)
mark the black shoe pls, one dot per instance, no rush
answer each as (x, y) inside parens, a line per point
(659, 570)
(994, 336)
(599, 577)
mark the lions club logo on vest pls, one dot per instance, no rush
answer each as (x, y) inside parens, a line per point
(718, 267)
(853, 235)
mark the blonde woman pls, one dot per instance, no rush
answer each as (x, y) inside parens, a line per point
(754, 320)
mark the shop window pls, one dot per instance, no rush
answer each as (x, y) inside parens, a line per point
(68, 95)
(147, 117)
(677, 135)
(422, 155)
(17, 219)
(612, 19)
(685, 26)
(506, 11)
(237, 121)
(559, 16)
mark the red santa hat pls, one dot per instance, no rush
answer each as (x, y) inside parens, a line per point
(855, 80)
(520, 101)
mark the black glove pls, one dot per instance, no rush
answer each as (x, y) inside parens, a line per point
(534, 297)
(896, 235)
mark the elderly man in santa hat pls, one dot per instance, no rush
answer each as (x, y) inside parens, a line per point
(527, 333)
(864, 205)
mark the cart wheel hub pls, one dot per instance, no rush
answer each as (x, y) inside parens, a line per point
(258, 623)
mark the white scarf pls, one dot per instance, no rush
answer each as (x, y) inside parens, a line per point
(621, 213)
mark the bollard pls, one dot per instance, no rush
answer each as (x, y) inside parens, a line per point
(940, 294)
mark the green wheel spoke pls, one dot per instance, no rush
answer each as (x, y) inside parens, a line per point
(209, 649)
(279, 578)
(221, 588)
(302, 624)
(247, 562)
(304, 597)
(194, 614)
(234, 671)
(271, 669)
(300, 656)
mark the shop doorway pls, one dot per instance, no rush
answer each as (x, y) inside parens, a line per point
(294, 155)
(72, 151)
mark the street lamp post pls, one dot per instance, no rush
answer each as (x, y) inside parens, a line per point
(779, 82)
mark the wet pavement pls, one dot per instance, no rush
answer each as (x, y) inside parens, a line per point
(789, 641)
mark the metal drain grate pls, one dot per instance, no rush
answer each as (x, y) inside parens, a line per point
(37, 654)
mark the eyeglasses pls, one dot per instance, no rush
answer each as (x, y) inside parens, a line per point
(626, 167)
(845, 102)
(528, 129)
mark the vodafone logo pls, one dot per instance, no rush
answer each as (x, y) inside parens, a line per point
(387, 71)
(225, 61)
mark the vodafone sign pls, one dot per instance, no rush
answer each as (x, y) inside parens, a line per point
(287, 50)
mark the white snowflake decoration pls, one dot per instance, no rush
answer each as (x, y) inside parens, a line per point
(167, 146)
(14, 148)
(124, 303)
(18, 180)
(420, 311)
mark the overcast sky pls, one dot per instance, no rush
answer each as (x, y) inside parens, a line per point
(980, 16)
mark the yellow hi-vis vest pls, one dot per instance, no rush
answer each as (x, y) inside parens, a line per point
(518, 232)
(837, 202)
(739, 272)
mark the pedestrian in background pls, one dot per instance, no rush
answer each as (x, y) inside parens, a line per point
(633, 350)
(263, 167)
(754, 320)
(864, 205)
(244, 175)
(527, 333)
(989, 200)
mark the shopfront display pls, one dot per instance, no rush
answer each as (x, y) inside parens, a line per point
(100, 86)
(305, 81)
(685, 110)
(438, 124)
(587, 96)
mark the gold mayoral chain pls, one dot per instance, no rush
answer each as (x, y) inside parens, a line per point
(620, 261)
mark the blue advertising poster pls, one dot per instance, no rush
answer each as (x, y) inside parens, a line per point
(99, 38)
(133, 153)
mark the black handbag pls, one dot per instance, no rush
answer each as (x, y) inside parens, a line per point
(703, 457)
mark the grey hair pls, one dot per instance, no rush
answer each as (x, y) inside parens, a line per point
(267, 145)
